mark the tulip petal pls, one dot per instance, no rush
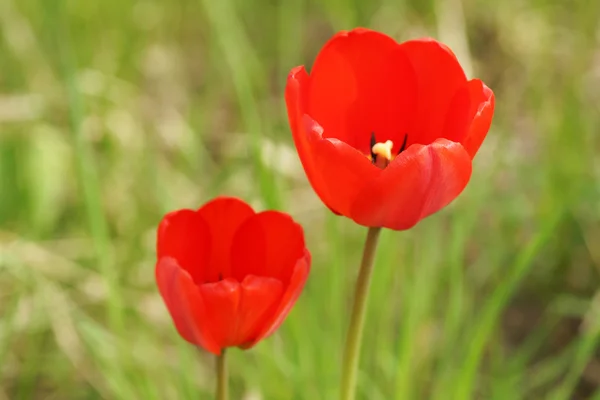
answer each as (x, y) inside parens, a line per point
(482, 103)
(343, 169)
(439, 76)
(291, 294)
(221, 300)
(459, 114)
(167, 278)
(185, 236)
(269, 245)
(418, 183)
(260, 299)
(295, 97)
(362, 83)
(184, 303)
(223, 215)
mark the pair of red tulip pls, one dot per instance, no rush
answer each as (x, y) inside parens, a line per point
(386, 134)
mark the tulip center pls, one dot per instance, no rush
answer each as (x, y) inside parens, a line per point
(381, 153)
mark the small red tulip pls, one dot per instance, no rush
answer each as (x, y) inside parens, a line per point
(229, 276)
(386, 132)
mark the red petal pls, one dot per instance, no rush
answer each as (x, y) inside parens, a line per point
(224, 215)
(268, 245)
(293, 290)
(260, 299)
(419, 182)
(439, 76)
(222, 301)
(167, 278)
(185, 236)
(461, 113)
(482, 106)
(343, 169)
(295, 98)
(362, 82)
(184, 303)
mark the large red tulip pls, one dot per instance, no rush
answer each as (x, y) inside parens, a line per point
(229, 276)
(386, 132)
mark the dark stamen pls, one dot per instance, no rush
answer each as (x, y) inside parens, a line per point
(373, 142)
(403, 147)
(220, 276)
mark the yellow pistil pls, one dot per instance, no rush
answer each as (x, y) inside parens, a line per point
(382, 153)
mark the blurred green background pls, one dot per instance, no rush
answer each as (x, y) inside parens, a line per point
(114, 112)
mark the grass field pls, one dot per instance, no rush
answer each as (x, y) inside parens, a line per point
(114, 112)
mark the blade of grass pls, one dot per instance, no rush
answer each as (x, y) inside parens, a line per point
(32, 370)
(488, 317)
(228, 27)
(9, 315)
(57, 23)
(419, 297)
(547, 372)
(89, 182)
(584, 352)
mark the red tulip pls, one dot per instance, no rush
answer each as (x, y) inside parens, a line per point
(386, 132)
(229, 276)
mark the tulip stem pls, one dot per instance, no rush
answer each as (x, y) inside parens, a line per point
(222, 377)
(357, 319)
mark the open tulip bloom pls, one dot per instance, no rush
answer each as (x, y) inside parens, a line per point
(229, 276)
(386, 132)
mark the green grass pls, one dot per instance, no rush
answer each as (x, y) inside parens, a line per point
(115, 112)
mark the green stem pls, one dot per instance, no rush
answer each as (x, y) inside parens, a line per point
(357, 321)
(222, 377)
